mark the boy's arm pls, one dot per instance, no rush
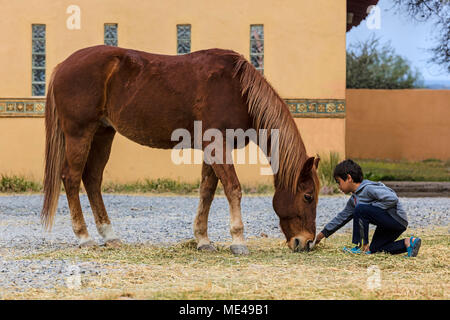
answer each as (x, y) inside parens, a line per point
(340, 220)
(384, 197)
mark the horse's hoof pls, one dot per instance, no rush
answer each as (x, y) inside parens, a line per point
(239, 249)
(207, 247)
(113, 243)
(88, 244)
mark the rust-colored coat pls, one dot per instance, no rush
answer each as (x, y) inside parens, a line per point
(101, 90)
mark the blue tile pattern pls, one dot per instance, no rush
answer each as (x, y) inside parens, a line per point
(110, 34)
(38, 60)
(257, 46)
(183, 38)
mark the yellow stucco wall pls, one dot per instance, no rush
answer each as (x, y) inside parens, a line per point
(22, 153)
(304, 58)
(304, 46)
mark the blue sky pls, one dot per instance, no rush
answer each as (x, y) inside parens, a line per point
(409, 38)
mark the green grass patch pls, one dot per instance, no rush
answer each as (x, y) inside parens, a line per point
(271, 271)
(21, 184)
(376, 170)
(426, 170)
(152, 186)
(164, 186)
(18, 184)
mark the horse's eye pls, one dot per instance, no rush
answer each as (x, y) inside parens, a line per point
(308, 197)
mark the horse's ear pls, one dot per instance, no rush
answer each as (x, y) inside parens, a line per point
(307, 167)
(316, 162)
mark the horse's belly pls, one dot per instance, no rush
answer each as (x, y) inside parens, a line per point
(148, 129)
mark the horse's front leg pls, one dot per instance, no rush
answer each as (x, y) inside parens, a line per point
(227, 175)
(208, 187)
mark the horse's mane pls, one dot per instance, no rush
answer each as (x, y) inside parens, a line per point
(269, 111)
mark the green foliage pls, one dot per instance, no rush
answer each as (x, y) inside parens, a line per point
(376, 170)
(369, 66)
(325, 172)
(15, 184)
(176, 187)
(154, 186)
(426, 170)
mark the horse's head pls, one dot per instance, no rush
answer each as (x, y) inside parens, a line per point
(297, 212)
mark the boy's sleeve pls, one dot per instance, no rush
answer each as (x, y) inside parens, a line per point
(383, 197)
(340, 220)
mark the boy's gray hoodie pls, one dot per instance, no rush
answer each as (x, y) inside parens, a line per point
(369, 192)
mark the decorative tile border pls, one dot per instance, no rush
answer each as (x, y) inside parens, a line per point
(317, 108)
(25, 107)
(300, 108)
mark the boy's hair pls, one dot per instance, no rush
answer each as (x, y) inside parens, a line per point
(348, 167)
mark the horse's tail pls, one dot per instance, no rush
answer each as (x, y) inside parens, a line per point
(54, 157)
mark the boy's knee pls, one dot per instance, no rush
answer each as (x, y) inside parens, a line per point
(402, 228)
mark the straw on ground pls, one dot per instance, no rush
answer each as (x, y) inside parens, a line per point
(270, 272)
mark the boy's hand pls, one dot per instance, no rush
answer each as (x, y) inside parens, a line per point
(319, 237)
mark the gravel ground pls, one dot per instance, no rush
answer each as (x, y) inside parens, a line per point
(156, 220)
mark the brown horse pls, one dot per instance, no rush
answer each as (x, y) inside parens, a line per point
(101, 90)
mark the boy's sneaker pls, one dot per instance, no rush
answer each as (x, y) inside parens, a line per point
(355, 250)
(414, 247)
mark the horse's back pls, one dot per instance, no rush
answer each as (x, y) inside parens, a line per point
(152, 95)
(147, 96)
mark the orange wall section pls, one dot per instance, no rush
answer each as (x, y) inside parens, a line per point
(398, 124)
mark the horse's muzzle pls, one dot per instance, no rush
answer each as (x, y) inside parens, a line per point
(298, 245)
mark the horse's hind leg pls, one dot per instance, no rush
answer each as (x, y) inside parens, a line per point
(77, 150)
(92, 180)
(208, 187)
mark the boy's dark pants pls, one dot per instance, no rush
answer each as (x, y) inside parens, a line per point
(387, 231)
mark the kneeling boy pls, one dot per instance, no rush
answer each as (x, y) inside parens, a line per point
(370, 203)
